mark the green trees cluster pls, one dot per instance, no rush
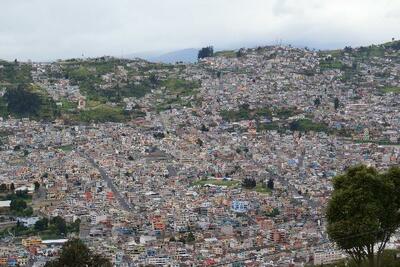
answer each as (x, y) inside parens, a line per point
(394, 45)
(22, 102)
(55, 227)
(305, 125)
(273, 213)
(42, 224)
(317, 102)
(189, 238)
(60, 225)
(336, 103)
(364, 212)
(241, 52)
(15, 72)
(270, 184)
(206, 52)
(19, 206)
(75, 253)
(3, 188)
(249, 183)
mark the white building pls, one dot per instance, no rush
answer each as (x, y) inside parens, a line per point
(327, 256)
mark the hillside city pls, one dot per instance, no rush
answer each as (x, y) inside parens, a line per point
(228, 161)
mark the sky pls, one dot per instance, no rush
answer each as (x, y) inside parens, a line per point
(53, 29)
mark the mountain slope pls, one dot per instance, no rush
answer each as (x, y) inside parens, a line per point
(185, 55)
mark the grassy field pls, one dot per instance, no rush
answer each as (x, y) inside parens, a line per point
(178, 93)
(390, 89)
(181, 87)
(66, 148)
(262, 189)
(228, 183)
(325, 65)
(102, 113)
(67, 105)
(378, 142)
(225, 53)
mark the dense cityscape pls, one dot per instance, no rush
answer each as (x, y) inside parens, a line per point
(225, 162)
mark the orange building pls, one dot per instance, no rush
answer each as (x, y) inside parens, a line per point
(277, 236)
(158, 223)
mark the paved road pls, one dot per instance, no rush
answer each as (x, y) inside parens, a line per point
(121, 199)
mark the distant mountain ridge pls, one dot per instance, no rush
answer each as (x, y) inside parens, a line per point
(188, 55)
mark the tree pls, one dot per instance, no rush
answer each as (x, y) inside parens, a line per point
(273, 213)
(249, 183)
(37, 185)
(270, 184)
(153, 79)
(75, 253)
(204, 128)
(363, 212)
(199, 142)
(3, 188)
(22, 193)
(98, 260)
(240, 52)
(348, 49)
(19, 227)
(42, 224)
(27, 212)
(317, 102)
(190, 238)
(75, 226)
(18, 205)
(159, 135)
(60, 225)
(336, 103)
(206, 52)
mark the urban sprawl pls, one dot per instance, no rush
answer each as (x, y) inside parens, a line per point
(225, 162)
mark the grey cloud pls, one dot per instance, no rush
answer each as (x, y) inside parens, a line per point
(51, 29)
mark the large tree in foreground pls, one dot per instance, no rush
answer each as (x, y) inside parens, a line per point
(363, 212)
(75, 253)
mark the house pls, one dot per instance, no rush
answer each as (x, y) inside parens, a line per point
(5, 206)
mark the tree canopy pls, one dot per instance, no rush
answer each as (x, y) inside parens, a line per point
(206, 52)
(249, 183)
(363, 211)
(75, 253)
(336, 103)
(60, 225)
(22, 102)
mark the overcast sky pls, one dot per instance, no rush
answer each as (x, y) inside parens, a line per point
(51, 29)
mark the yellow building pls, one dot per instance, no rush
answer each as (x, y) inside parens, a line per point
(33, 241)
